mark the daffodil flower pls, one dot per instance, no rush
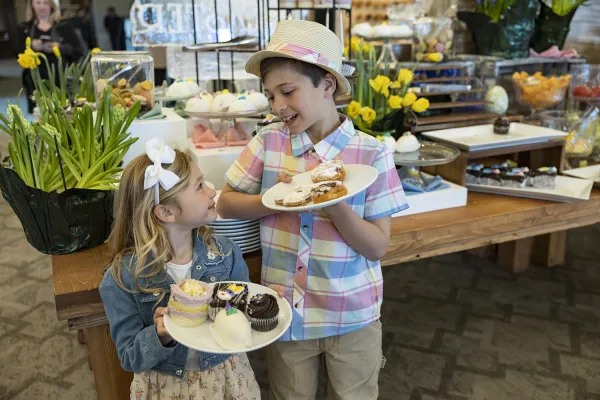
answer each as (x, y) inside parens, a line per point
(395, 102)
(420, 105)
(28, 42)
(380, 84)
(353, 109)
(96, 50)
(368, 114)
(409, 99)
(56, 51)
(405, 76)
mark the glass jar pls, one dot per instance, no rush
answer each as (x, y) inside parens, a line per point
(128, 74)
(433, 36)
(582, 127)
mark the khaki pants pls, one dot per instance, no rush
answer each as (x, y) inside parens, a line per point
(353, 362)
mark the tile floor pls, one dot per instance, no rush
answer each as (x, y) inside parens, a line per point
(455, 327)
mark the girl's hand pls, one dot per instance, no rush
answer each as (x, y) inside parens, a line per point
(278, 288)
(37, 45)
(159, 321)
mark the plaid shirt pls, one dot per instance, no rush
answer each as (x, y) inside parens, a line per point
(332, 288)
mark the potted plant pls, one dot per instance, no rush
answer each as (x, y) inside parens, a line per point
(380, 104)
(553, 22)
(61, 174)
(502, 28)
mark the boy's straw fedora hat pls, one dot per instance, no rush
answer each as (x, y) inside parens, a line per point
(306, 41)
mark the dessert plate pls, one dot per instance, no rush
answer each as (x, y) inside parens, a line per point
(200, 338)
(592, 173)
(358, 178)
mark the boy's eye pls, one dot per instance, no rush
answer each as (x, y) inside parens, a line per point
(288, 93)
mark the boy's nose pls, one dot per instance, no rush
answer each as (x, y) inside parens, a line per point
(279, 106)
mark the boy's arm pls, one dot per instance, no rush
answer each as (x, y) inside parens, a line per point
(237, 205)
(369, 238)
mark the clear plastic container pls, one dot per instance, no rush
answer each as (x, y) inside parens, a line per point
(434, 35)
(128, 74)
(582, 128)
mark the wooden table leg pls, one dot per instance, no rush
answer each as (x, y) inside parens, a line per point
(112, 382)
(550, 249)
(515, 255)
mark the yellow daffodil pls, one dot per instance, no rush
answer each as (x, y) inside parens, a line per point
(409, 99)
(355, 44)
(396, 85)
(420, 105)
(28, 59)
(395, 102)
(405, 76)
(434, 57)
(353, 109)
(56, 51)
(368, 114)
(224, 91)
(346, 51)
(96, 50)
(366, 47)
(28, 42)
(380, 84)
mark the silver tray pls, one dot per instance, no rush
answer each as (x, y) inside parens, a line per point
(428, 154)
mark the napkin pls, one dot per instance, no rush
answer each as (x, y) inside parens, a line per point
(414, 186)
(204, 137)
(554, 52)
(154, 113)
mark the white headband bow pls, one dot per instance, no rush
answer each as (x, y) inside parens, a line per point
(155, 174)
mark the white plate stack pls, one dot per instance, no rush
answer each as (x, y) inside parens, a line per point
(243, 232)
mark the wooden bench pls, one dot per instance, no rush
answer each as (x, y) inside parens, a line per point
(512, 223)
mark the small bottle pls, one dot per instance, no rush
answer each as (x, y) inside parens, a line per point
(287, 3)
(306, 4)
(323, 3)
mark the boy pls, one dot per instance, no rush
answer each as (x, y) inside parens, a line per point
(326, 262)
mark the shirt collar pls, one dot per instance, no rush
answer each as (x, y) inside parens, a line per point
(328, 148)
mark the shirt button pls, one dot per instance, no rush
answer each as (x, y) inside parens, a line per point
(300, 269)
(297, 305)
(305, 228)
(179, 372)
(213, 278)
(198, 267)
(205, 363)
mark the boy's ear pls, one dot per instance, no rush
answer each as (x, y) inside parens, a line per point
(330, 85)
(164, 213)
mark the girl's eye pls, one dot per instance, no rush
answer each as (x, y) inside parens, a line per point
(201, 186)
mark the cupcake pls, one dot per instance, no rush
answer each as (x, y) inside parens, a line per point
(188, 304)
(242, 104)
(223, 101)
(474, 173)
(259, 100)
(543, 178)
(263, 312)
(407, 143)
(504, 167)
(490, 177)
(501, 126)
(227, 293)
(204, 95)
(183, 88)
(197, 104)
(514, 179)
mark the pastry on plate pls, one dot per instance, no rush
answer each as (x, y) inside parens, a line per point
(328, 190)
(543, 178)
(329, 171)
(231, 329)
(501, 126)
(182, 88)
(242, 104)
(197, 104)
(223, 101)
(490, 177)
(515, 178)
(188, 304)
(228, 293)
(263, 312)
(259, 100)
(301, 196)
(474, 173)
(407, 143)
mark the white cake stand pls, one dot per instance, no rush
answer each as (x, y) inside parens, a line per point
(429, 154)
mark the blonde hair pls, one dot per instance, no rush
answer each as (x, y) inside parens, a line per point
(136, 229)
(54, 15)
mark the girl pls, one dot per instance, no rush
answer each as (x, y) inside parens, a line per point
(158, 239)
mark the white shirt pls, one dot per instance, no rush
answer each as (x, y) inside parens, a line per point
(179, 273)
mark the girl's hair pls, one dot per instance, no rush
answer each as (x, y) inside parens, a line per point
(54, 14)
(138, 232)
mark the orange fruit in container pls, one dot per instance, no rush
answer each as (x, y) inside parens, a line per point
(538, 91)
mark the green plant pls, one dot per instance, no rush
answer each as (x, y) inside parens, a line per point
(493, 8)
(59, 153)
(564, 7)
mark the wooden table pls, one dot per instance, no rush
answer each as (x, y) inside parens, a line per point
(486, 220)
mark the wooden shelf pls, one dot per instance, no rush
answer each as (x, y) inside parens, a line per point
(444, 79)
(437, 119)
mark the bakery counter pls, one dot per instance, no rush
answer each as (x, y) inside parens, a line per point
(512, 223)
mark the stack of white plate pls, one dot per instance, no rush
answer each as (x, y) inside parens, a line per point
(243, 232)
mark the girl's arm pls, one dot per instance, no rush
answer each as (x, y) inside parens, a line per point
(139, 347)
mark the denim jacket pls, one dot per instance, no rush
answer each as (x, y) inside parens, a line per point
(131, 315)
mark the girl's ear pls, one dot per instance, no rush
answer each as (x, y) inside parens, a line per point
(330, 85)
(164, 213)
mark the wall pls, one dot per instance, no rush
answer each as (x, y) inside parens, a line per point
(100, 11)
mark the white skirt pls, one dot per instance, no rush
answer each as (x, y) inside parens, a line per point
(230, 380)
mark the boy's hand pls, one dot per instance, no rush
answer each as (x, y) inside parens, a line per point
(159, 321)
(278, 288)
(283, 177)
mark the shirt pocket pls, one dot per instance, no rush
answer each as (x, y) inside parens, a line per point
(218, 273)
(147, 302)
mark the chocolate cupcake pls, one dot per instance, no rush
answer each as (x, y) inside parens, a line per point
(263, 312)
(514, 179)
(227, 293)
(490, 177)
(504, 167)
(543, 178)
(501, 126)
(474, 173)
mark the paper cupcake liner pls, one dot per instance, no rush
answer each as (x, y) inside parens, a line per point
(264, 324)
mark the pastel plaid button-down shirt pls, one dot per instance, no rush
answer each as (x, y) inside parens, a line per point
(332, 289)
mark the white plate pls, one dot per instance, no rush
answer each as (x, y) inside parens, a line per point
(358, 178)
(592, 173)
(481, 137)
(200, 338)
(233, 229)
(250, 249)
(247, 241)
(242, 236)
(234, 222)
(567, 190)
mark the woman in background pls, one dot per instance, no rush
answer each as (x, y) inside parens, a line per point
(45, 29)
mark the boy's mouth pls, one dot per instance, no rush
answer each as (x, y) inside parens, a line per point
(289, 120)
